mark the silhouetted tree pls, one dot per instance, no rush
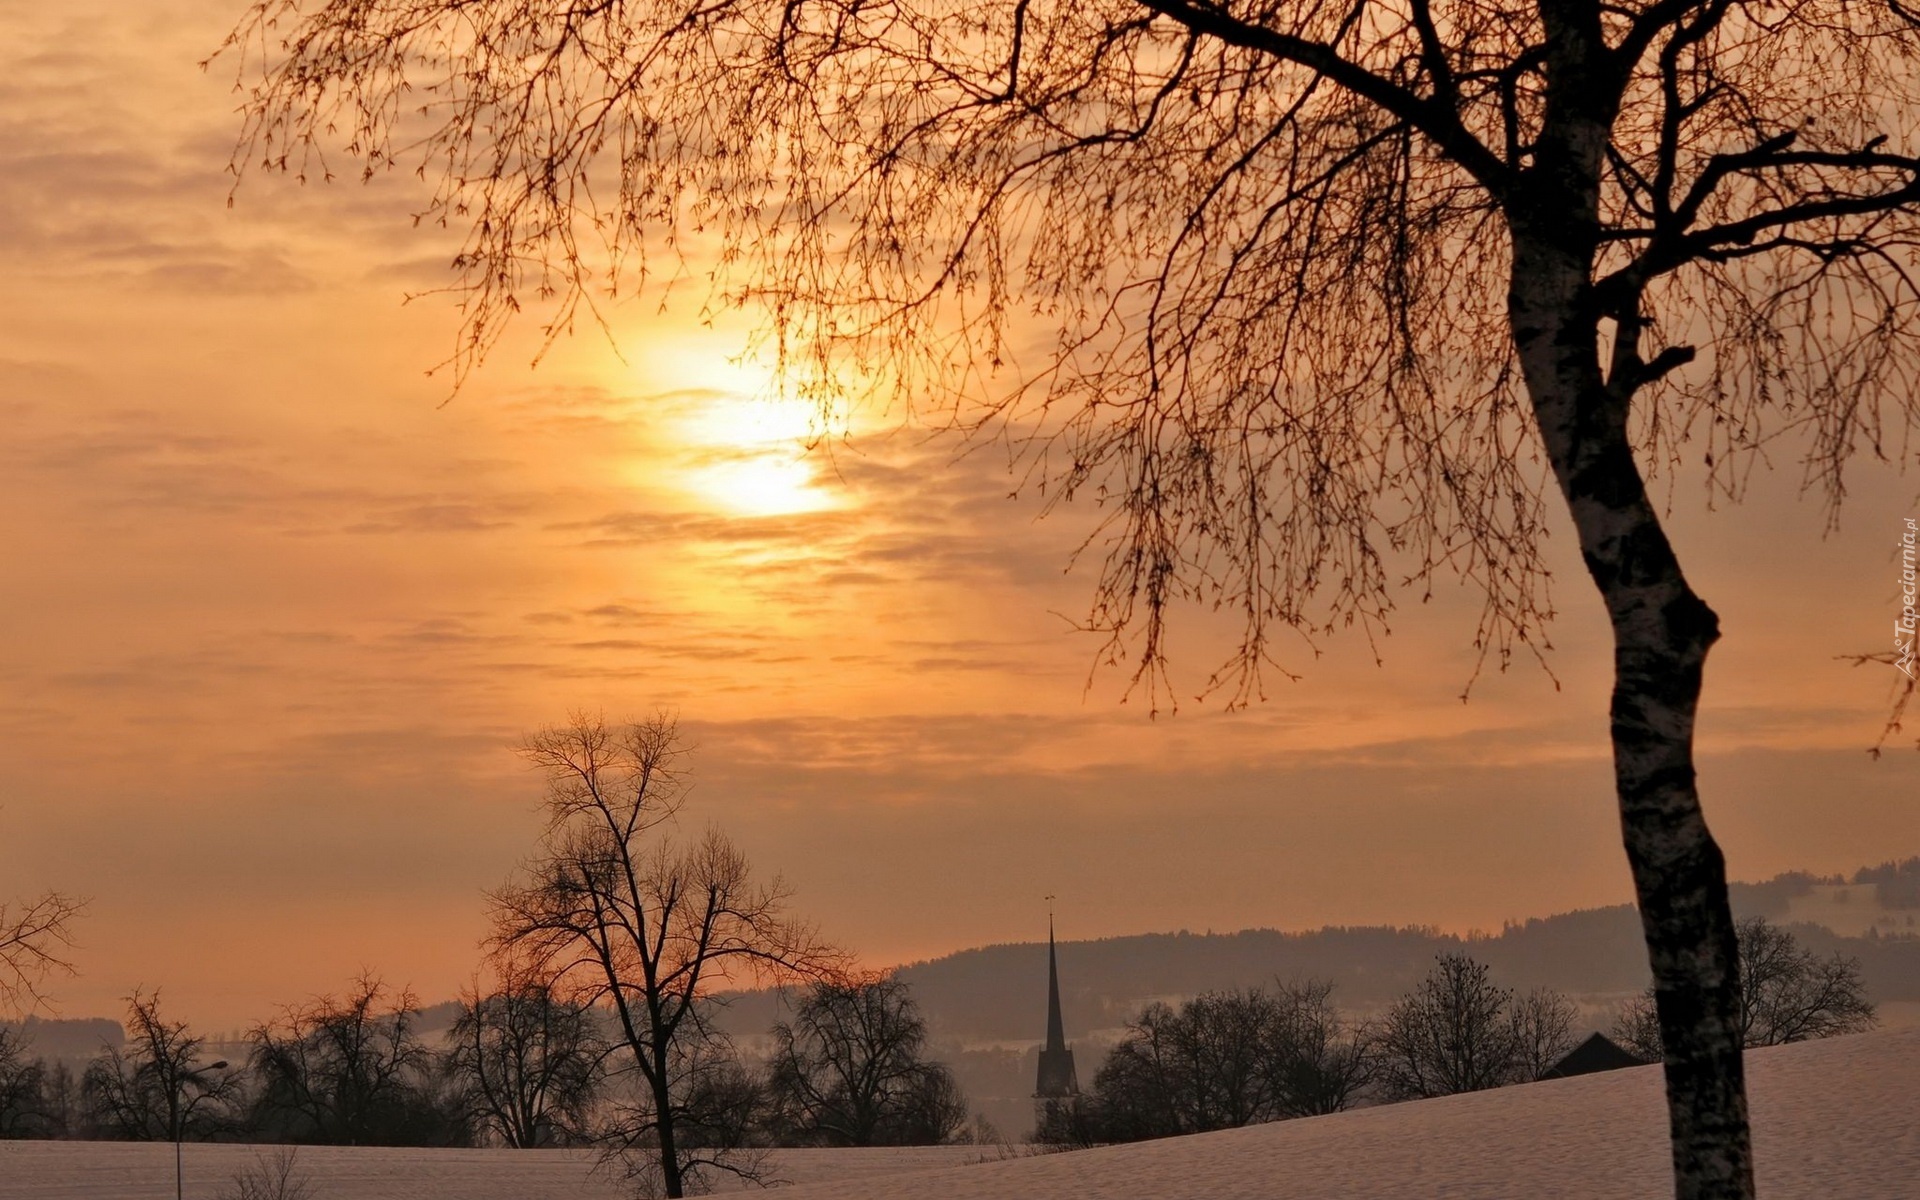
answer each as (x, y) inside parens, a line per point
(1322, 1062)
(1790, 995)
(1337, 294)
(1542, 1021)
(614, 906)
(1458, 1031)
(271, 1176)
(352, 1071)
(527, 1059)
(1219, 1061)
(850, 1069)
(1636, 1026)
(33, 936)
(1146, 1088)
(26, 1109)
(155, 1088)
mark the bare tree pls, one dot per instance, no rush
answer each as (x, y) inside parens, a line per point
(1636, 1026)
(271, 1176)
(33, 937)
(1220, 1061)
(26, 1110)
(851, 1069)
(156, 1088)
(1542, 1022)
(1314, 297)
(1148, 1086)
(651, 926)
(1452, 1033)
(1458, 1031)
(351, 1070)
(1791, 994)
(528, 1059)
(1322, 1062)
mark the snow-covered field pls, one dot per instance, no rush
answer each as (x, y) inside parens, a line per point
(1834, 1120)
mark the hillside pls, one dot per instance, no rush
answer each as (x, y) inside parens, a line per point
(1832, 1118)
(996, 994)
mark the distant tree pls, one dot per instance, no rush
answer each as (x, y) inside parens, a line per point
(1458, 1031)
(1204, 1066)
(1146, 1086)
(1896, 884)
(1321, 1062)
(726, 1108)
(527, 1059)
(1070, 1122)
(1542, 1021)
(616, 907)
(851, 1069)
(1790, 994)
(352, 1071)
(26, 1109)
(1636, 1026)
(34, 933)
(1220, 1061)
(60, 1092)
(155, 1088)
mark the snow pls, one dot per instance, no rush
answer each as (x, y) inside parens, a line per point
(1831, 1119)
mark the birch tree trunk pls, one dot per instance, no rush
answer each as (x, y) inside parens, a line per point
(1661, 632)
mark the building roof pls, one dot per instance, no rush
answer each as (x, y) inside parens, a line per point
(1597, 1053)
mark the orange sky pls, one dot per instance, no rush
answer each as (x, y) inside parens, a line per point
(275, 615)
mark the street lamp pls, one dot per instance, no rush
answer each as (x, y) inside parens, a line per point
(180, 1126)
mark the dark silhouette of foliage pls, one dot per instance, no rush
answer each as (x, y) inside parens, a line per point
(352, 1071)
(1458, 1031)
(1323, 1063)
(1220, 1061)
(850, 1069)
(528, 1060)
(34, 934)
(155, 1087)
(28, 1104)
(1791, 994)
(1314, 299)
(1896, 884)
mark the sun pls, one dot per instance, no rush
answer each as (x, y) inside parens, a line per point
(764, 485)
(750, 457)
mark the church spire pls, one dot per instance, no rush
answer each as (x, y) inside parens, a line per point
(1056, 1060)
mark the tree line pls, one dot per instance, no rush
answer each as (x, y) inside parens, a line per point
(522, 1066)
(1226, 1059)
(610, 949)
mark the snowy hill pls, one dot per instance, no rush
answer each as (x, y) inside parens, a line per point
(1833, 1120)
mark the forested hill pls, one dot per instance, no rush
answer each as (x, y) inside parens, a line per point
(999, 992)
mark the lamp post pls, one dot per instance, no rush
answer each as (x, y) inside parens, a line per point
(180, 1125)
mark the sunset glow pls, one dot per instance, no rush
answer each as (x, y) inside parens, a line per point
(750, 457)
(280, 606)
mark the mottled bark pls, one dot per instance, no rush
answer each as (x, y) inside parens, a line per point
(1662, 632)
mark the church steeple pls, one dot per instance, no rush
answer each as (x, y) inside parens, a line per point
(1057, 1078)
